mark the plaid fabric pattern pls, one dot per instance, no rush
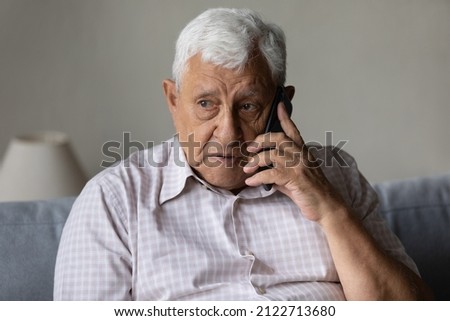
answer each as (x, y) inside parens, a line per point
(149, 229)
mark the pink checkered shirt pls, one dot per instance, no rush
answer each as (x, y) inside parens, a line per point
(150, 229)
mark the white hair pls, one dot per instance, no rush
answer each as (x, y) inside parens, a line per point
(228, 38)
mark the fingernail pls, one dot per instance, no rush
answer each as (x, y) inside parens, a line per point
(249, 162)
(253, 146)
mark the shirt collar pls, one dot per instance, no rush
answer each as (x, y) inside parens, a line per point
(175, 172)
(178, 171)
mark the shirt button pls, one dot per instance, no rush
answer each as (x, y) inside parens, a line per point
(249, 253)
(260, 290)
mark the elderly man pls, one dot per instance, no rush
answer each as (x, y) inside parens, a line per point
(193, 219)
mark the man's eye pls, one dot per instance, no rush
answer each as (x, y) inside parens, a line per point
(205, 103)
(249, 107)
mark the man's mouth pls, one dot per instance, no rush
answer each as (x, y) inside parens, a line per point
(229, 160)
(234, 154)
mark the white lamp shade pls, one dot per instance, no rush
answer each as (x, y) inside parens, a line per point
(40, 166)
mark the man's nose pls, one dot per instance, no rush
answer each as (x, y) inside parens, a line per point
(228, 127)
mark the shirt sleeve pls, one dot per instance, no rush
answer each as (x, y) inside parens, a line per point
(94, 260)
(363, 199)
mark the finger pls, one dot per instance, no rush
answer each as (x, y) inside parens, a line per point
(288, 125)
(265, 141)
(260, 160)
(267, 176)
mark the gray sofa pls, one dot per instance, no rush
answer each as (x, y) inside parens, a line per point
(418, 211)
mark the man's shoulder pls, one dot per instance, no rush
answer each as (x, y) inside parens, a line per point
(139, 167)
(331, 157)
(151, 158)
(341, 170)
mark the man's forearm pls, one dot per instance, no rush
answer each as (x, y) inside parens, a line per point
(365, 271)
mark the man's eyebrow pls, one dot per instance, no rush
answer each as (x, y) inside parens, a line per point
(201, 92)
(251, 93)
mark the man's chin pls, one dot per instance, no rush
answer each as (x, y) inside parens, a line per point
(225, 178)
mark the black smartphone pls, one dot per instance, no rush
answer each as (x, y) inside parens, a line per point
(273, 123)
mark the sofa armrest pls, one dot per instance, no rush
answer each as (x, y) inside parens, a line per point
(418, 212)
(29, 238)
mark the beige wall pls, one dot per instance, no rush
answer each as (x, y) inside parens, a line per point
(375, 73)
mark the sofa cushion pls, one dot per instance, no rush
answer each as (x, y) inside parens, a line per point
(29, 237)
(418, 212)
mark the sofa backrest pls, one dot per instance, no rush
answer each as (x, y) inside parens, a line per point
(29, 238)
(418, 212)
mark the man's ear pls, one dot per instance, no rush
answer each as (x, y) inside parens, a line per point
(290, 92)
(170, 91)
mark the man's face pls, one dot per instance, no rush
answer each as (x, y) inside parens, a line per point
(215, 111)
